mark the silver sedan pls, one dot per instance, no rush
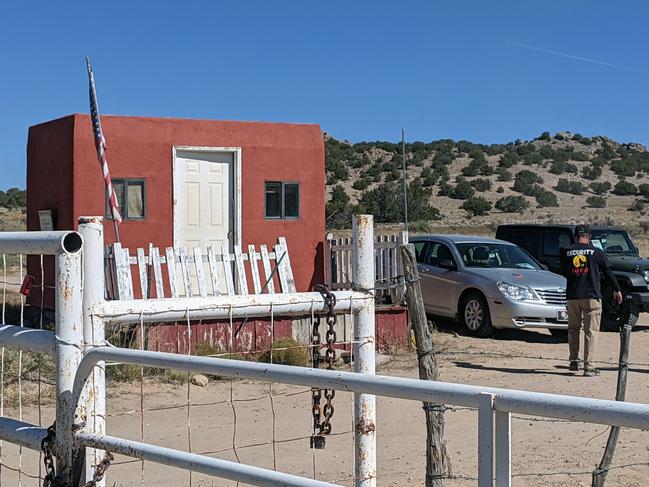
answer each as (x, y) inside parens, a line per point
(486, 283)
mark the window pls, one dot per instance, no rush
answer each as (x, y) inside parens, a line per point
(437, 253)
(419, 250)
(282, 200)
(131, 196)
(554, 241)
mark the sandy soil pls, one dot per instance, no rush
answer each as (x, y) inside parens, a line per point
(543, 452)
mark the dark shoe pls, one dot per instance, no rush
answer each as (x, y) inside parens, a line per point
(592, 372)
(574, 366)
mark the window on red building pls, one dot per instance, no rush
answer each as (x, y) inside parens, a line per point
(282, 200)
(131, 196)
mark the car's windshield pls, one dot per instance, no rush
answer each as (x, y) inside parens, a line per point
(496, 255)
(612, 241)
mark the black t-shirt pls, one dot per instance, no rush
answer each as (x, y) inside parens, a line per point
(583, 265)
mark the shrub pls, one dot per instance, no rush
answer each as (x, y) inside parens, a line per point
(600, 188)
(545, 136)
(445, 189)
(512, 204)
(643, 190)
(477, 206)
(361, 184)
(508, 159)
(338, 210)
(285, 351)
(481, 184)
(592, 172)
(624, 167)
(545, 199)
(385, 202)
(572, 187)
(500, 189)
(637, 205)
(560, 167)
(579, 156)
(525, 182)
(625, 188)
(596, 201)
(463, 190)
(504, 174)
(532, 158)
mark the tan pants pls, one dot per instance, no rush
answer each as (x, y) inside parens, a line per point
(590, 312)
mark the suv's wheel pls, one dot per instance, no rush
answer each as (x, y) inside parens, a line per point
(474, 315)
(614, 316)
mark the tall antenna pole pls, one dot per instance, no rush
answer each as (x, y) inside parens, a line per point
(405, 180)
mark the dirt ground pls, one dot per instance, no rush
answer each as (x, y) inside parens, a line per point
(544, 452)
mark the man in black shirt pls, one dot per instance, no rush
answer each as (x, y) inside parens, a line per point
(583, 266)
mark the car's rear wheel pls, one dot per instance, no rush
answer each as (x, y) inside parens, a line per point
(474, 315)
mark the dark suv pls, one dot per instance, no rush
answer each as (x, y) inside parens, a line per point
(545, 242)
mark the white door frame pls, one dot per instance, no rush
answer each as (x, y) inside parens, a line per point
(236, 187)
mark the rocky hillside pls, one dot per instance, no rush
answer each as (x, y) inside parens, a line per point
(554, 178)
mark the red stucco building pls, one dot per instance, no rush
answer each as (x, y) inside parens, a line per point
(187, 182)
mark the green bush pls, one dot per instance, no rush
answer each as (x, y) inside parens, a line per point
(385, 202)
(338, 210)
(545, 136)
(625, 188)
(500, 189)
(481, 184)
(525, 182)
(572, 187)
(592, 172)
(532, 158)
(361, 184)
(561, 167)
(546, 199)
(596, 201)
(463, 190)
(637, 205)
(476, 206)
(508, 159)
(600, 188)
(445, 189)
(504, 174)
(285, 351)
(643, 190)
(512, 204)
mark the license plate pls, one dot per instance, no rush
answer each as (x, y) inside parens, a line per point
(562, 315)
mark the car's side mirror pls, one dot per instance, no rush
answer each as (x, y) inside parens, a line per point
(447, 264)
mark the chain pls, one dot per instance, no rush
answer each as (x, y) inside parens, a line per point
(53, 480)
(100, 470)
(47, 444)
(323, 426)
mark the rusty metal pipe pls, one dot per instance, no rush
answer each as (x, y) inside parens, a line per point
(364, 351)
(37, 243)
(21, 433)
(218, 307)
(238, 472)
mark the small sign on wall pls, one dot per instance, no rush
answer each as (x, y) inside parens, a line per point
(46, 220)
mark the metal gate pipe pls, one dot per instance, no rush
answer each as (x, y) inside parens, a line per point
(21, 433)
(600, 411)
(36, 243)
(93, 404)
(218, 307)
(69, 336)
(503, 444)
(197, 463)
(485, 440)
(364, 351)
(28, 339)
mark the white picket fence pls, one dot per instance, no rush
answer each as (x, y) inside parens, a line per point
(199, 273)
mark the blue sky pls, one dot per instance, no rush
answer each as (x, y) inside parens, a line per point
(476, 70)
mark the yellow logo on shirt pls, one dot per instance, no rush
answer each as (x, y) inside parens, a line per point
(579, 261)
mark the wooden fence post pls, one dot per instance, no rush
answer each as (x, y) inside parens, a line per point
(437, 460)
(600, 473)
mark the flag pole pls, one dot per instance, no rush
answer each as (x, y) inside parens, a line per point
(100, 145)
(405, 179)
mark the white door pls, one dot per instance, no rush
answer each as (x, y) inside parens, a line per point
(203, 200)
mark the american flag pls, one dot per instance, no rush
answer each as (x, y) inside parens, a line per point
(100, 145)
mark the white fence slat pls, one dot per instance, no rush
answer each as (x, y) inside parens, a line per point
(242, 284)
(265, 260)
(157, 272)
(200, 276)
(214, 274)
(171, 271)
(124, 279)
(227, 271)
(254, 268)
(184, 267)
(141, 265)
(286, 263)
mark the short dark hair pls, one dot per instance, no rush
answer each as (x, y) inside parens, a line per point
(582, 230)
